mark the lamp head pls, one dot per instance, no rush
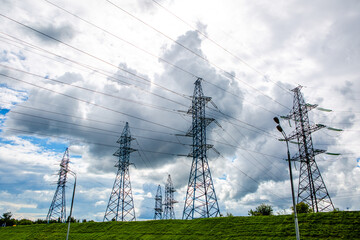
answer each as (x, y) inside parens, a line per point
(276, 119)
(279, 128)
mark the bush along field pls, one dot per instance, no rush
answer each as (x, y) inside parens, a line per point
(332, 225)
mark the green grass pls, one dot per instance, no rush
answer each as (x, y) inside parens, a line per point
(333, 225)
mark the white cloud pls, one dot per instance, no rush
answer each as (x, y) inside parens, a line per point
(290, 43)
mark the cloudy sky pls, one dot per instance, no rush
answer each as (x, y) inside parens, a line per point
(73, 72)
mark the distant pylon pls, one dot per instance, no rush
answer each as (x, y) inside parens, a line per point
(57, 210)
(158, 204)
(169, 212)
(312, 189)
(201, 201)
(121, 203)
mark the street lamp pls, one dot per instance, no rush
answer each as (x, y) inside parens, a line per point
(279, 128)
(72, 203)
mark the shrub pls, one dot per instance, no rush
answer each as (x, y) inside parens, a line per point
(261, 210)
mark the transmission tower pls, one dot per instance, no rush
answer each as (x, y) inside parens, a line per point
(158, 204)
(169, 202)
(121, 203)
(312, 189)
(57, 210)
(201, 201)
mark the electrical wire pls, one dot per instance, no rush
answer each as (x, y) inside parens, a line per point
(83, 141)
(220, 46)
(95, 91)
(143, 137)
(223, 71)
(146, 51)
(96, 70)
(93, 104)
(91, 55)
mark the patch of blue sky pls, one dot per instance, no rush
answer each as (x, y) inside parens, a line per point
(4, 111)
(46, 143)
(4, 85)
(4, 141)
(29, 210)
(223, 177)
(3, 56)
(20, 55)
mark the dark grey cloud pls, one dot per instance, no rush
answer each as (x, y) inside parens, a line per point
(63, 32)
(328, 47)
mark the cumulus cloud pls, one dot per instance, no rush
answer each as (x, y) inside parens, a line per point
(250, 168)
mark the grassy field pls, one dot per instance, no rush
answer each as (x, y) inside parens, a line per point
(334, 225)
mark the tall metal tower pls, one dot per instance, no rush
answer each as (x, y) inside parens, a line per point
(57, 210)
(121, 203)
(312, 189)
(201, 201)
(169, 212)
(158, 204)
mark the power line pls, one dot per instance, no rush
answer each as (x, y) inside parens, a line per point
(82, 50)
(91, 55)
(129, 100)
(109, 132)
(251, 178)
(95, 91)
(228, 75)
(94, 104)
(143, 137)
(248, 124)
(146, 51)
(87, 119)
(237, 96)
(83, 141)
(267, 170)
(122, 39)
(221, 47)
(97, 70)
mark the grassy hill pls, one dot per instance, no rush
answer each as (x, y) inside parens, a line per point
(333, 225)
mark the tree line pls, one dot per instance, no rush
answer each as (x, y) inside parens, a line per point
(7, 220)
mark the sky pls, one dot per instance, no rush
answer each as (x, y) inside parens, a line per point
(72, 73)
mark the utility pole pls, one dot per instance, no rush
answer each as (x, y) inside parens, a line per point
(312, 189)
(169, 212)
(57, 210)
(121, 203)
(201, 201)
(280, 129)
(158, 204)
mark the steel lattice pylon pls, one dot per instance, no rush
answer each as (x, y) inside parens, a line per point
(121, 203)
(312, 189)
(201, 201)
(169, 201)
(158, 204)
(57, 210)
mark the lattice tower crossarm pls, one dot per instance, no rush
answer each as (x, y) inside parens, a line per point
(312, 189)
(57, 210)
(200, 201)
(169, 201)
(158, 204)
(121, 204)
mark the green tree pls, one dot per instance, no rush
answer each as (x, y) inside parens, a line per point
(302, 207)
(6, 219)
(24, 222)
(261, 210)
(72, 219)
